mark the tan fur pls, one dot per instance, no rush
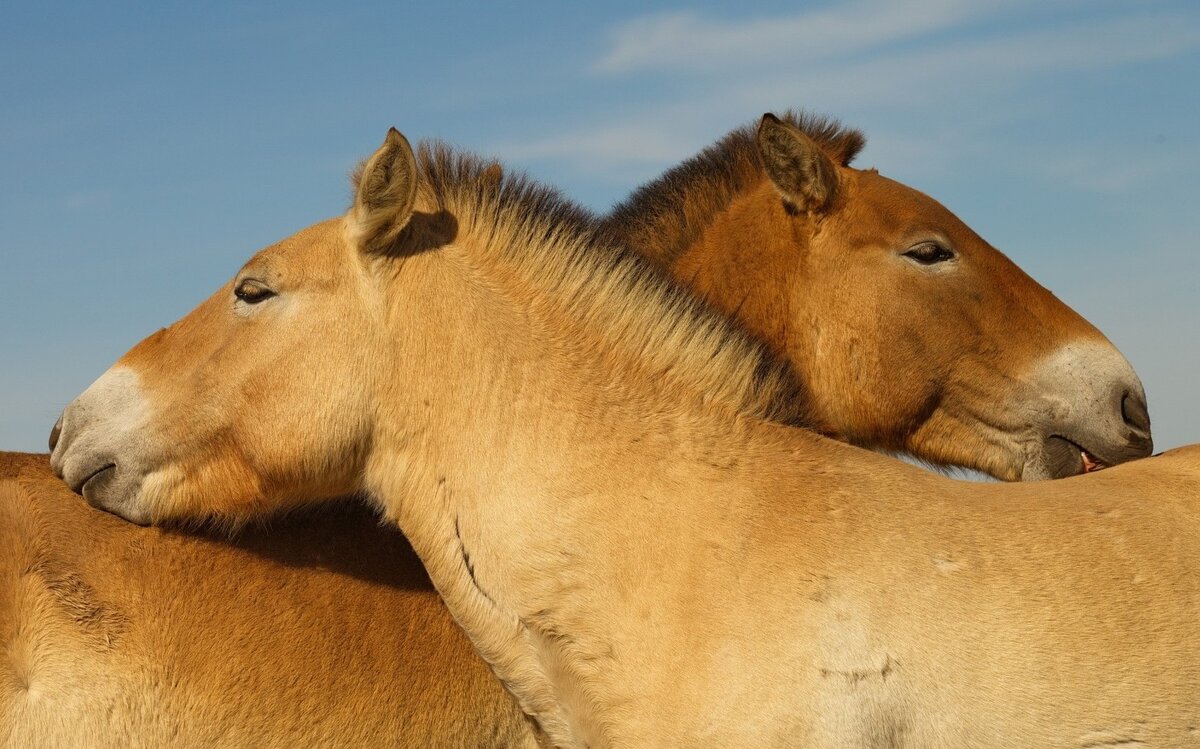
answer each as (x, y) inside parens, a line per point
(643, 562)
(471, 715)
(323, 631)
(666, 216)
(388, 194)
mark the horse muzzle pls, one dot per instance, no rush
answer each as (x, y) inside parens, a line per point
(93, 445)
(1092, 414)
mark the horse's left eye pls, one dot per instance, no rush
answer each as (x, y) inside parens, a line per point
(928, 253)
(252, 292)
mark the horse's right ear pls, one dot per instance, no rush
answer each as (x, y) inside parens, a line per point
(384, 192)
(802, 172)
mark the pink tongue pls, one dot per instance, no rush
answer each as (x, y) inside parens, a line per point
(1089, 465)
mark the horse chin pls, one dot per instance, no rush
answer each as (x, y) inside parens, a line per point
(117, 490)
(1060, 458)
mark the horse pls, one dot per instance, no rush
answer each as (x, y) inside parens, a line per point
(469, 710)
(603, 480)
(971, 363)
(115, 636)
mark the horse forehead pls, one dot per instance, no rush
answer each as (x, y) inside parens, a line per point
(896, 205)
(315, 250)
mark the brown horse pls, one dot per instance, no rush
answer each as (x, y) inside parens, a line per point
(578, 454)
(909, 331)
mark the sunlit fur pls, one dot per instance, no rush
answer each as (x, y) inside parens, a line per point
(427, 689)
(668, 215)
(652, 329)
(323, 631)
(941, 362)
(642, 561)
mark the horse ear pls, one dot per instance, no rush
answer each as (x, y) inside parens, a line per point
(384, 192)
(800, 169)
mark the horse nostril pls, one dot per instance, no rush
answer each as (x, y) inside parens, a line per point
(1133, 409)
(54, 433)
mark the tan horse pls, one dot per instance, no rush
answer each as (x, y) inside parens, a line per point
(323, 633)
(217, 588)
(577, 453)
(470, 710)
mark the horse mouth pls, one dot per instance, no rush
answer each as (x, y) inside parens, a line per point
(83, 485)
(1071, 458)
(1090, 463)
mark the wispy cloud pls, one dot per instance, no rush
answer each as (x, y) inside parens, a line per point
(924, 88)
(629, 149)
(976, 69)
(638, 142)
(689, 41)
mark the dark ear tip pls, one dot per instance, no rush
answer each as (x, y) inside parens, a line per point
(768, 117)
(395, 137)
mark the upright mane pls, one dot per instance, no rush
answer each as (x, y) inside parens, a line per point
(666, 215)
(556, 247)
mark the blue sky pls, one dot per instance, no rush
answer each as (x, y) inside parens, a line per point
(148, 149)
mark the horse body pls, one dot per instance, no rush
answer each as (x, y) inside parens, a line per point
(323, 632)
(579, 456)
(807, 605)
(925, 618)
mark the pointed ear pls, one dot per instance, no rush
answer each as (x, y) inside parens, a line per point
(384, 192)
(802, 172)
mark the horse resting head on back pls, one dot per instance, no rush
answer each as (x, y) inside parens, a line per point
(447, 697)
(909, 331)
(579, 454)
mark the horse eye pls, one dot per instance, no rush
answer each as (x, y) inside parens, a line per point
(252, 292)
(928, 253)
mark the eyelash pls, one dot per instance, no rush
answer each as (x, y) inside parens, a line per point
(252, 293)
(929, 253)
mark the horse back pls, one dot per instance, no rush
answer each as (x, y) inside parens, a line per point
(321, 631)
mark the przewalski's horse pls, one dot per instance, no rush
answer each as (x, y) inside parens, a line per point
(579, 455)
(909, 331)
(323, 632)
(428, 687)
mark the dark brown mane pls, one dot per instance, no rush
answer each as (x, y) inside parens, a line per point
(664, 217)
(559, 248)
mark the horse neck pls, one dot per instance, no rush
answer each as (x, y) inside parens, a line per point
(507, 393)
(663, 219)
(512, 451)
(744, 262)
